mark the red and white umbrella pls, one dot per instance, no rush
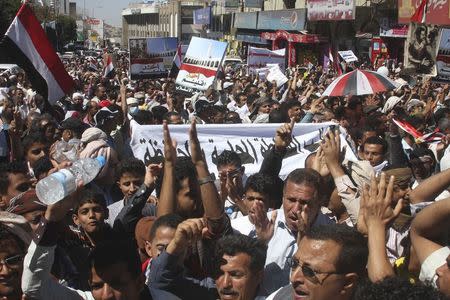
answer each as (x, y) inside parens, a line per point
(359, 82)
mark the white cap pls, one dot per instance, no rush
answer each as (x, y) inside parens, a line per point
(227, 84)
(132, 101)
(383, 71)
(413, 103)
(77, 95)
(390, 104)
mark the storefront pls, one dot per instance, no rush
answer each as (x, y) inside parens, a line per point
(394, 36)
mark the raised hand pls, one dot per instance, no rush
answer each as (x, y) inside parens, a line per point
(319, 163)
(263, 226)
(170, 146)
(331, 146)
(303, 222)
(151, 174)
(186, 234)
(196, 151)
(283, 136)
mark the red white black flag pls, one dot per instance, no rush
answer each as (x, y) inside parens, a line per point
(108, 71)
(421, 12)
(176, 64)
(26, 44)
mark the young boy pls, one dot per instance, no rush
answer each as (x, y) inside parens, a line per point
(131, 177)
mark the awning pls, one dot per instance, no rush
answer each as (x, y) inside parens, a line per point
(303, 38)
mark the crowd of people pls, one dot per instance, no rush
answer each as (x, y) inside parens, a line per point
(374, 228)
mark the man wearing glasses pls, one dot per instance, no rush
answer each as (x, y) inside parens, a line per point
(327, 265)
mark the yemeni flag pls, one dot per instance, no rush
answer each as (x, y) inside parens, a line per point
(176, 64)
(108, 71)
(26, 44)
(420, 14)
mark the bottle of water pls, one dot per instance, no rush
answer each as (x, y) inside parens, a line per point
(58, 185)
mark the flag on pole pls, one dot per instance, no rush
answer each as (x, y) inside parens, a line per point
(176, 64)
(26, 44)
(108, 70)
(420, 14)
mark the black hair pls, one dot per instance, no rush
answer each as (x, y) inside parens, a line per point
(305, 176)
(14, 167)
(130, 165)
(376, 140)
(267, 185)
(229, 157)
(143, 117)
(6, 235)
(158, 113)
(170, 114)
(32, 138)
(90, 196)
(339, 113)
(395, 288)
(354, 249)
(184, 168)
(232, 117)
(278, 116)
(170, 220)
(111, 252)
(234, 244)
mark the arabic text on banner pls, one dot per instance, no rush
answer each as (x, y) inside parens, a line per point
(151, 57)
(200, 64)
(249, 141)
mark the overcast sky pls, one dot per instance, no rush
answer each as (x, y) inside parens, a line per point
(108, 10)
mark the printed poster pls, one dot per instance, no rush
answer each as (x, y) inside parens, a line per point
(421, 48)
(330, 10)
(151, 57)
(199, 67)
(443, 57)
(259, 58)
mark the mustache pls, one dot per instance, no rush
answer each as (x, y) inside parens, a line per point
(228, 292)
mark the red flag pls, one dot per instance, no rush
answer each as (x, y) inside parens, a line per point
(419, 15)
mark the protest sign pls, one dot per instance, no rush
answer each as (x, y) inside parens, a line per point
(249, 141)
(151, 57)
(276, 74)
(443, 57)
(200, 64)
(348, 56)
(420, 49)
(260, 57)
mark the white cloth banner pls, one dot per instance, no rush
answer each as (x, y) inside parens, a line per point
(260, 57)
(276, 74)
(250, 141)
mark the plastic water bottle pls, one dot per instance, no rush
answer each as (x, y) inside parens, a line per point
(58, 185)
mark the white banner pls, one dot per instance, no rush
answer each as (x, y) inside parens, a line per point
(276, 74)
(260, 57)
(250, 141)
(348, 56)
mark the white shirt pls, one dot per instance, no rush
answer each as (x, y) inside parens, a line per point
(282, 245)
(114, 210)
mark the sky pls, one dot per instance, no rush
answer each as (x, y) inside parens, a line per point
(108, 10)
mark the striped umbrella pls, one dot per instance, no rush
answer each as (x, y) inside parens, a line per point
(359, 82)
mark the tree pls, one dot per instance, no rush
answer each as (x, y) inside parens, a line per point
(8, 11)
(67, 29)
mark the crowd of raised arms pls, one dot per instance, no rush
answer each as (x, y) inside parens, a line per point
(372, 228)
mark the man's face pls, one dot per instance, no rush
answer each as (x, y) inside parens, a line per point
(163, 236)
(294, 112)
(187, 198)
(175, 119)
(250, 197)
(18, 183)
(93, 108)
(237, 281)
(443, 274)
(115, 283)
(90, 217)
(320, 257)
(11, 273)
(296, 198)
(36, 151)
(422, 167)
(67, 135)
(374, 154)
(129, 184)
(101, 93)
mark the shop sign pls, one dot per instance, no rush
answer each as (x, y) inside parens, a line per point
(202, 16)
(291, 37)
(252, 39)
(438, 11)
(289, 19)
(253, 3)
(331, 10)
(245, 20)
(390, 28)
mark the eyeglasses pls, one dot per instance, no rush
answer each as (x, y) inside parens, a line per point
(307, 271)
(12, 262)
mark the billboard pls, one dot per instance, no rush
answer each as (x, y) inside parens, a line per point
(151, 57)
(331, 10)
(438, 11)
(200, 64)
(288, 19)
(421, 48)
(202, 16)
(247, 20)
(260, 57)
(443, 57)
(97, 30)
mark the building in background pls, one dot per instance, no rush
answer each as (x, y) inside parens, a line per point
(140, 20)
(73, 10)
